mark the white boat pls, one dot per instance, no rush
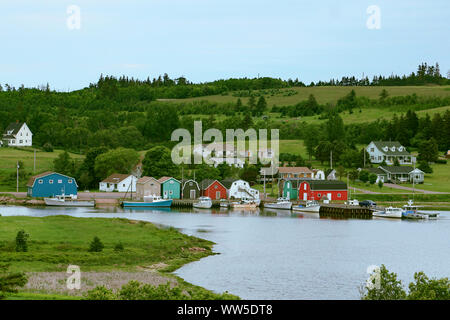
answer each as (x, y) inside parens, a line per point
(310, 206)
(411, 211)
(149, 201)
(68, 201)
(389, 212)
(281, 203)
(203, 203)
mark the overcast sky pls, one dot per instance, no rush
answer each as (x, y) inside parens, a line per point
(206, 40)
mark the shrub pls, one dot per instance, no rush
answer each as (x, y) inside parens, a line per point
(364, 175)
(425, 167)
(118, 247)
(372, 178)
(389, 287)
(429, 289)
(47, 147)
(22, 241)
(96, 245)
(9, 282)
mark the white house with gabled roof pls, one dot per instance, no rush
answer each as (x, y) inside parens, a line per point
(17, 134)
(388, 151)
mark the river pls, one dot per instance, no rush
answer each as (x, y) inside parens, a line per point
(279, 255)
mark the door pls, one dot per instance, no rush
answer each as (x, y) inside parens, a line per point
(305, 196)
(329, 196)
(288, 194)
(165, 194)
(192, 194)
(217, 195)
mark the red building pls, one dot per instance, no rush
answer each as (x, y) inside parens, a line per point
(213, 189)
(318, 189)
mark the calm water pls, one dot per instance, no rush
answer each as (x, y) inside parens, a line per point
(276, 255)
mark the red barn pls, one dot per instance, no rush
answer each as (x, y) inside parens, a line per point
(318, 189)
(213, 189)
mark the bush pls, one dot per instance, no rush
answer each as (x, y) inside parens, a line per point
(441, 161)
(47, 147)
(372, 178)
(391, 289)
(118, 247)
(22, 241)
(364, 176)
(9, 282)
(96, 245)
(425, 167)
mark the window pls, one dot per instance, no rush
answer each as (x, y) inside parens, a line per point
(170, 192)
(319, 195)
(20, 141)
(69, 181)
(339, 195)
(304, 186)
(59, 181)
(50, 181)
(41, 181)
(123, 185)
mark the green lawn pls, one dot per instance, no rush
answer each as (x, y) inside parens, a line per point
(57, 241)
(10, 156)
(439, 180)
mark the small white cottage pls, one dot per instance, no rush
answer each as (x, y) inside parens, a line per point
(17, 134)
(240, 189)
(119, 182)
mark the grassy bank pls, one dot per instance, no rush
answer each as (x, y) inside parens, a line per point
(55, 242)
(8, 162)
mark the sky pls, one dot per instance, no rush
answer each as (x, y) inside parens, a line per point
(47, 41)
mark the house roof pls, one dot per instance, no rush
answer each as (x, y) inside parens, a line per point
(32, 179)
(396, 169)
(116, 178)
(206, 183)
(164, 179)
(391, 144)
(146, 179)
(327, 185)
(14, 127)
(294, 170)
(376, 171)
(227, 182)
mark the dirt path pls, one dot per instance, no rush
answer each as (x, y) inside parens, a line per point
(396, 186)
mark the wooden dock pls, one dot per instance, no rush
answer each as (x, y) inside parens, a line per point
(342, 211)
(188, 203)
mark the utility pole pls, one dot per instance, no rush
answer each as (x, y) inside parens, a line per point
(364, 150)
(34, 162)
(17, 177)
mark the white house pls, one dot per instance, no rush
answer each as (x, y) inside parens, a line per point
(240, 189)
(17, 134)
(119, 182)
(388, 151)
(398, 174)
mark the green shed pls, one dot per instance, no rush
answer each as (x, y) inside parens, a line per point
(290, 188)
(170, 188)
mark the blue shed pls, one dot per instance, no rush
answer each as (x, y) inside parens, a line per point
(50, 184)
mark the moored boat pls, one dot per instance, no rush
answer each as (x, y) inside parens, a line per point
(411, 211)
(310, 206)
(243, 204)
(149, 202)
(224, 203)
(68, 201)
(203, 203)
(281, 203)
(389, 212)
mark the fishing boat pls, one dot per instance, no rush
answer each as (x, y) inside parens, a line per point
(203, 203)
(243, 204)
(389, 212)
(310, 206)
(68, 201)
(149, 202)
(411, 211)
(281, 203)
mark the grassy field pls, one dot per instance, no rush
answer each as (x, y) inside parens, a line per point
(439, 180)
(58, 241)
(327, 94)
(10, 156)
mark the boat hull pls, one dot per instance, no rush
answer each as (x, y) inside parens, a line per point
(306, 209)
(381, 214)
(68, 203)
(202, 205)
(281, 206)
(243, 206)
(157, 204)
